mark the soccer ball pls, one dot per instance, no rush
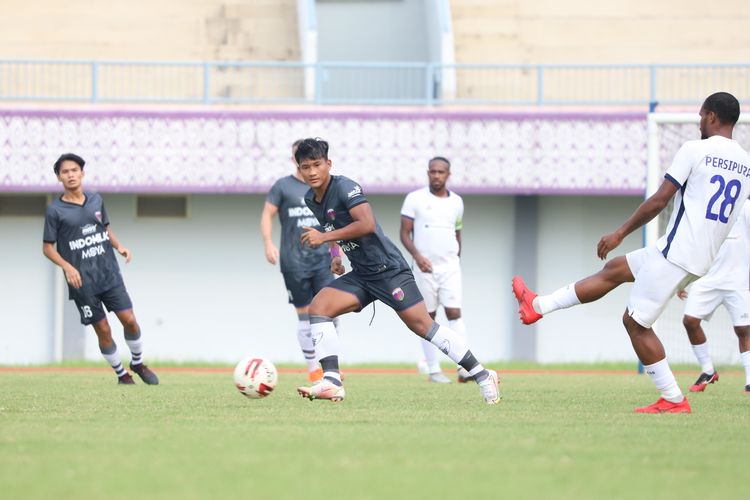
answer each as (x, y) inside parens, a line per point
(255, 377)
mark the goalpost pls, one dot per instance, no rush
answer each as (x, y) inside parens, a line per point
(666, 133)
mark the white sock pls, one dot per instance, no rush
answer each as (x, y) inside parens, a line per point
(664, 380)
(457, 325)
(704, 359)
(304, 337)
(561, 298)
(135, 344)
(112, 355)
(431, 356)
(455, 347)
(745, 358)
(326, 342)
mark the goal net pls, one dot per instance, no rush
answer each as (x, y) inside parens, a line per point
(666, 133)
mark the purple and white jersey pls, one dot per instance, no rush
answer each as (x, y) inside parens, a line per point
(713, 177)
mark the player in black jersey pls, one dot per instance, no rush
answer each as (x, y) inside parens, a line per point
(78, 238)
(379, 272)
(305, 270)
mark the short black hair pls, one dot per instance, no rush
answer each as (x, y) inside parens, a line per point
(68, 157)
(439, 158)
(311, 149)
(725, 106)
(296, 143)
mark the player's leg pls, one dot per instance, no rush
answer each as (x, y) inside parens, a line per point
(300, 289)
(655, 283)
(452, 345)
(342, 296)
(451, 296)
(117, 300)
(92, 313)
(428, 287)
(738, 305)
(701, 303)
(614, 273)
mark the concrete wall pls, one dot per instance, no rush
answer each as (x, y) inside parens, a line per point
(202, 289)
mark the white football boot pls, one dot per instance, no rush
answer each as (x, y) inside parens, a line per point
(323, 390)
(490, 388)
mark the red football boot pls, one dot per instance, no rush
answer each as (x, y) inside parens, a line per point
(664, 406)
(703, 380)
(525, 298)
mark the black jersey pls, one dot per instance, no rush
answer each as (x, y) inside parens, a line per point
(288, 194)
(371, 254)
(80, 234)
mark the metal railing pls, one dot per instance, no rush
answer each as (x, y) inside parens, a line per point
(368, 83)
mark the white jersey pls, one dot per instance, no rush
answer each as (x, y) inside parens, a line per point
(713, 177)
(731, 269)
(436, 220)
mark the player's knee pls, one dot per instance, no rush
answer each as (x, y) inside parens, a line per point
(452, 314)
(690, 323)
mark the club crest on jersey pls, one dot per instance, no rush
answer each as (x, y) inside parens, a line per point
(88, 229)
(331, 214)
(98, 215)
(398, 294)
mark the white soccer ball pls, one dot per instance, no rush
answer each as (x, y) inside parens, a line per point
(255, 377)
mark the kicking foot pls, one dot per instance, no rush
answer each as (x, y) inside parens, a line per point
(525, 298)
(438, 378)
(490, 388)
(126, 379)
(703, 380)
(323, 390)
(664, 406)
(145, 373)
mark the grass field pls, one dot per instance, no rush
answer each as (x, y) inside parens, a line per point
(75, 434)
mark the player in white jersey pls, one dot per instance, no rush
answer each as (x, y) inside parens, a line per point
(431, 223)
(711, 178)
(726, 283)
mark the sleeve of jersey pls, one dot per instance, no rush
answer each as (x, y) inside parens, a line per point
(274, 195)
(50, 225)
(682, 165)
(105, 217)
(351, 194)
(407, 209)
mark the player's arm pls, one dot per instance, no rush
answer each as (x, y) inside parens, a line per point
(118, 246)
(644, 213)
(266, 231)
(458, 239)
(406, 234)
(72, 276)
(337, 264)
(363, 223)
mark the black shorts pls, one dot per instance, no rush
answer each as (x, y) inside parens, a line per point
(303, 285)
(91, 306)
(397, 289)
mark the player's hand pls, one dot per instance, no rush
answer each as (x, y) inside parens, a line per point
(272, 253)
(73, 277)
(423, 263)
(125, 253)
(337, 266)
(682, 294)
(312, 237)
(608, 243)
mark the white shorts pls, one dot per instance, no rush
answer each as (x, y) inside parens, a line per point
(440, 287)
(702, 301)
(656, 281)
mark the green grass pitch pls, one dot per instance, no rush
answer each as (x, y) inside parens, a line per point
(77, 435)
